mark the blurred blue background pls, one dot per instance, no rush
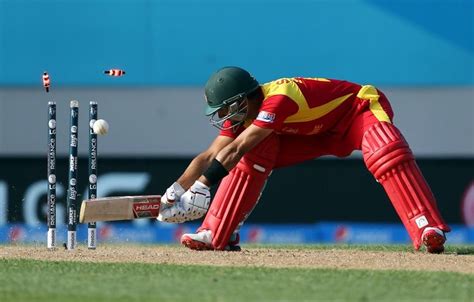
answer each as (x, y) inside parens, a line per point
(422, 42)
(419, 52)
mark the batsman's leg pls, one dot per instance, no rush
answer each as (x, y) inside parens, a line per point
(236, 197)
(389, 158)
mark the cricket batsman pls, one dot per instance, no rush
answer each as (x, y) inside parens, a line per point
(283, 123)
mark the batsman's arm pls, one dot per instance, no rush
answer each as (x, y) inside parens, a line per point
(201, 162)
(231, 153)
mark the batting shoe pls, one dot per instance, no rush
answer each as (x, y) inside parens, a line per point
(433, 239)
(233, 245)
(202, 241)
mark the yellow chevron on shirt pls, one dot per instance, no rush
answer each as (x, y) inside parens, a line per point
(288, 87)
(368, 92)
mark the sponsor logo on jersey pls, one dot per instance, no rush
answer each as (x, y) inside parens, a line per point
(316, 129)
(264, 116)
(290, 130)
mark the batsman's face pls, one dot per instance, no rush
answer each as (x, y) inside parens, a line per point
(235, 112)
(223, 112)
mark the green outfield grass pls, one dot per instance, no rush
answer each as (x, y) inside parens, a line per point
(31, 280)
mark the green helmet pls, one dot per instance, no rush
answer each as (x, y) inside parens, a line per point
(226, 86)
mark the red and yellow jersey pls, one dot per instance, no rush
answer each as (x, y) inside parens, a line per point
(308, 106)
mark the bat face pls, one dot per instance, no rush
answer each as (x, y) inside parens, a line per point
(120, 208)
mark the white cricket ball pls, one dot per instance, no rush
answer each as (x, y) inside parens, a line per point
(101, 127)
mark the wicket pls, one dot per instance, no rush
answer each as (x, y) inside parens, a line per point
(51, 240)
(91, 227)
(72, 193)
(72, 180)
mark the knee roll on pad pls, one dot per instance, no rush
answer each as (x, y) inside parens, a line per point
(389, 158)
(239, 191)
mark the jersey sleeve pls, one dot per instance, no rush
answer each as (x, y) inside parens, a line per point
(274, 111)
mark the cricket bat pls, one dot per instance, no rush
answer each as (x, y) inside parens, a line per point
(120, 208)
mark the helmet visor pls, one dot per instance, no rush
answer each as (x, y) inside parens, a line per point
(235, 113)
(213, 109)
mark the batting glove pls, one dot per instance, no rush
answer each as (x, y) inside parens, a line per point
(193, 204)
(172, 194)
(196, 200)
